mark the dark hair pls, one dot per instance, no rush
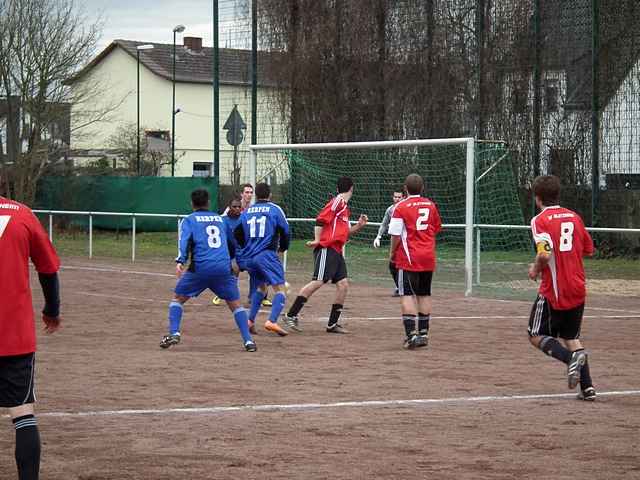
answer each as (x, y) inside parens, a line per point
(414, 184)
(399, 190)
(235, 198)
(200, 198)
(547, 189)
(263, 191)
(344, 184)
(247, 185)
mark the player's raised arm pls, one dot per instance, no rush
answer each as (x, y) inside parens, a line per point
(362, 221)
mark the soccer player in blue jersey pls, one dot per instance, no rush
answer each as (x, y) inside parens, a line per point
(262, 232)
(206, 244)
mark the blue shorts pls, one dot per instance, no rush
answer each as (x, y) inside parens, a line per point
(265, 269)
(193, 284)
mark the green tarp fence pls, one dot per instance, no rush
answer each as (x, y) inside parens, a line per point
(166, 195)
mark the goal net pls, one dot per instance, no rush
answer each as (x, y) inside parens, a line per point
(303, 177)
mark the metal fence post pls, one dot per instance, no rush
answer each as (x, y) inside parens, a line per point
(90, 235)
(133, 237)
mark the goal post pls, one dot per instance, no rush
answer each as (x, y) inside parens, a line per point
(467, 145)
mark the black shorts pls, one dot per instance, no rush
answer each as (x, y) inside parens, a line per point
(545, 321)
(17, 378)
(414, 283)
(328, 265)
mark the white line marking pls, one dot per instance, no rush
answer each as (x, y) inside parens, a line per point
(135, 299)
(320, 406)
(116, 270)
(492, 317)
(587, 307)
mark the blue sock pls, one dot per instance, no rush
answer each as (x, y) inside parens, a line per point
(256, 303)
(240, 316)
(175, 317)
(279, 299)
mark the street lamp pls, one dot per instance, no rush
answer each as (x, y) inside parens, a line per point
(138, 49)
(176, 29)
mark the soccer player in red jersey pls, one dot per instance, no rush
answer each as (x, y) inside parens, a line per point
(413, 228)
(23, 238)
(561, 241)
(331, 233)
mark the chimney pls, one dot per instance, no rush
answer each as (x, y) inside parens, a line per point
(193, 43)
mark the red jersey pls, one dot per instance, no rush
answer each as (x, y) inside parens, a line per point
(416, 221)
(334, 218)
(562, 234)
(21, 237)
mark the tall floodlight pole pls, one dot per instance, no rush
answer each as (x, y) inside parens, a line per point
(176, 29)
(216, 93)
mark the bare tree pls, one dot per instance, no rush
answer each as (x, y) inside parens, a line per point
(155, 152)
(42, 44)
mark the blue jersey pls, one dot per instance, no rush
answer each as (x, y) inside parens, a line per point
(263, 227)
(204, 238)
(232, 223)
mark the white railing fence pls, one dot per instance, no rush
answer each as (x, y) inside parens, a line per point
(478, 228)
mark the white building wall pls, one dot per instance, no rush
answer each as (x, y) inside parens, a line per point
(116, 75)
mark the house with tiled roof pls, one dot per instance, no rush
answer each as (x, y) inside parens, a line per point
(113, 75)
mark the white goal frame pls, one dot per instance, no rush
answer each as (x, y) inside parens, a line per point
(469, 180)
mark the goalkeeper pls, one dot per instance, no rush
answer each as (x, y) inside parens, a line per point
(398, 194)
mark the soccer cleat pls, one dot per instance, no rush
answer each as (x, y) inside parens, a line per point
(269, 326)
(336, 328)
(292, 322)
(422, 340)
(267, 303)
(578, 359)
(252, 327)
(588, 394)
(216, 300)
(250, 346)
(411, 342)
(168, 340)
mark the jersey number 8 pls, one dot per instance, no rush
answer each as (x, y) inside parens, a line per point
(213, 236)
(566, 236)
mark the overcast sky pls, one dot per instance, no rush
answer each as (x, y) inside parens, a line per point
(153, 20)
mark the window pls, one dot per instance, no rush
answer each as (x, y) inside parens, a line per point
(551, 95)
(201, 169)
(159, 134)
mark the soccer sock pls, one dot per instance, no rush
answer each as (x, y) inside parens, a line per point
(409, 321)
(256, 302)
(278, 301)
(242, 321)
(423, 323)
(27, 447)
(585, 374)
(175, 317)
(298, 303)
(336, 310)
(553, 348)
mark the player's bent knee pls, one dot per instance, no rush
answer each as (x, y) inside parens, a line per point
(180, 299)
(21, 410)
(535, 341)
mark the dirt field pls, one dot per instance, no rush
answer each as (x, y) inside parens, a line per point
(479, 403)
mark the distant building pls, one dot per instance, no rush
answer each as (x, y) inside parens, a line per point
(115, 70)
